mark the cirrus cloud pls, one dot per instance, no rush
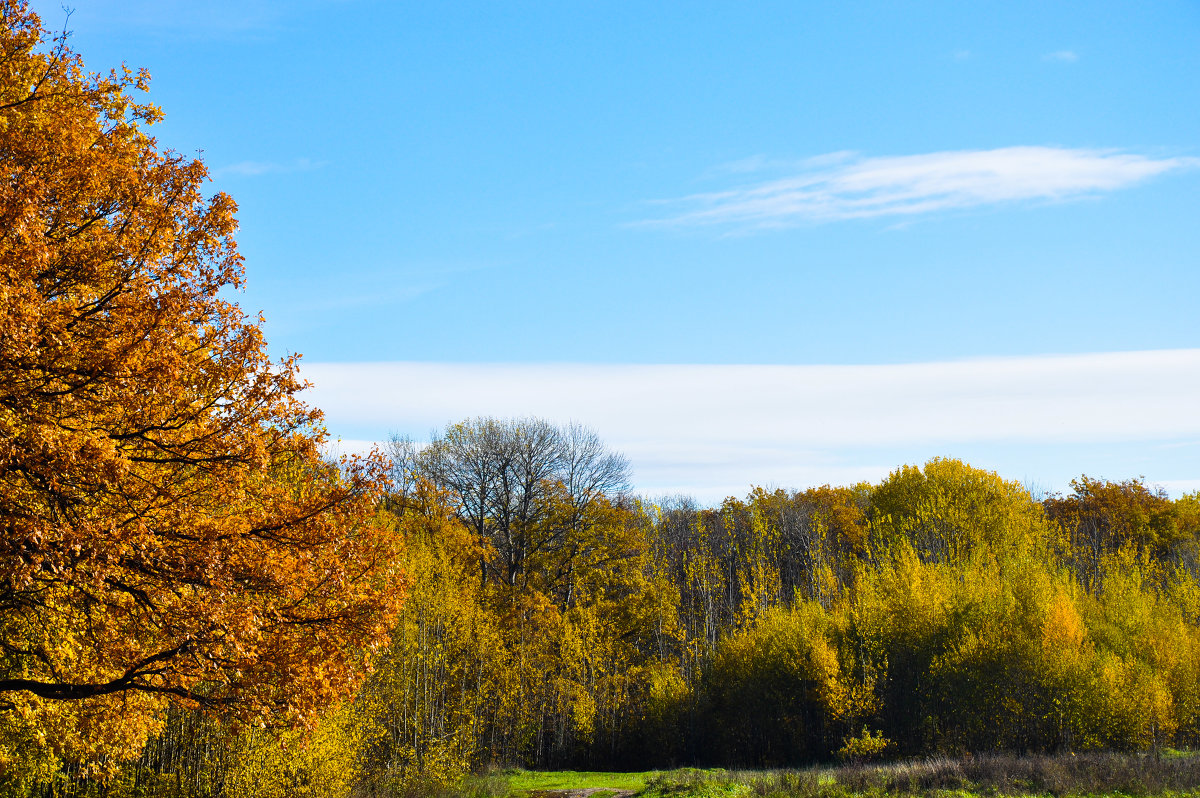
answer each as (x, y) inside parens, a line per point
(850, 186)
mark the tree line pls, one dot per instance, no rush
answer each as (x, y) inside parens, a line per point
(553, 620)
(943, 609)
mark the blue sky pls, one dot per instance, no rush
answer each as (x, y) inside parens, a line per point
(461, 192)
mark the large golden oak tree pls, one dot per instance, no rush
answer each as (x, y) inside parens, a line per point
(168, 528)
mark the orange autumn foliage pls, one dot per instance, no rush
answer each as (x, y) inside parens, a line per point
(168, 527)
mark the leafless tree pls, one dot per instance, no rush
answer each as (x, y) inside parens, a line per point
(501, 474)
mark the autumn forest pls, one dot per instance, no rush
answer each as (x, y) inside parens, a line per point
(195, 600)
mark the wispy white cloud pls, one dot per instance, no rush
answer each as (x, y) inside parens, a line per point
(260, 168)
(706, 429)
(1064, 56)
(845, 186)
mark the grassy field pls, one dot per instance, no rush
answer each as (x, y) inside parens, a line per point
(1095, 774)
(526, 782)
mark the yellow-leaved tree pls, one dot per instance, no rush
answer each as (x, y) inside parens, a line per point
(168, 527)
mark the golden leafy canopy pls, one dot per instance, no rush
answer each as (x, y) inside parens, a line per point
(167, 523)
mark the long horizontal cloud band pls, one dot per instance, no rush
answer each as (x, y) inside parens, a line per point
(848, 186)
(1076, 398)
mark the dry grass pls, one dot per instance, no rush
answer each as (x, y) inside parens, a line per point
(989, 774)
(1008, 774)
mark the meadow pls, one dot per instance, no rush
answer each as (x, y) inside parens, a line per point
(1174, 773)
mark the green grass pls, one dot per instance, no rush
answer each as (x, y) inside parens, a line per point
(524, 782)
